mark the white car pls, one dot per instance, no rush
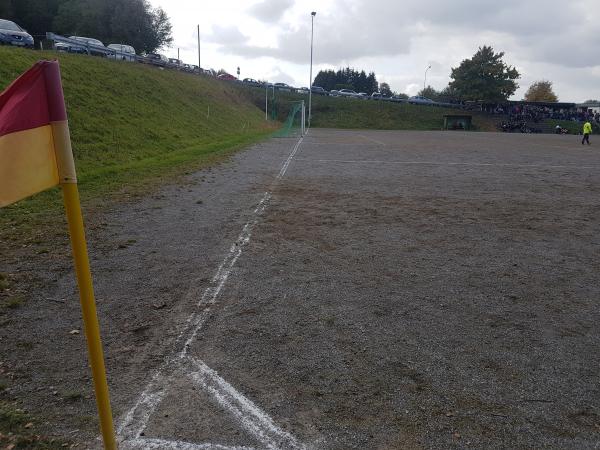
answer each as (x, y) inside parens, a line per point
(420, 100)
(82, 45)
(122, 52)
(348, 93)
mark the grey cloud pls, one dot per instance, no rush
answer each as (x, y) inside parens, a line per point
(337, 40)
(226, 36)
(270, 11)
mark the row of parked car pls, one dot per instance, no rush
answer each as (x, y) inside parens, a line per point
(349, 93)
(13, 34)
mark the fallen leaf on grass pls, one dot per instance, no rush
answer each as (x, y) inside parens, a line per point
(74, 332)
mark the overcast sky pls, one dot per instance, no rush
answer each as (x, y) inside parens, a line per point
(397, 39)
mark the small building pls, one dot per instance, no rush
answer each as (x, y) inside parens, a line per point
(457, 122)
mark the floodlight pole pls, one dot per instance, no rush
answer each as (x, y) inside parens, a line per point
(199, 66)
(425, 80)
(312, 28)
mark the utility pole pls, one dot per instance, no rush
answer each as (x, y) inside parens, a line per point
(199, 66)
(312, 28)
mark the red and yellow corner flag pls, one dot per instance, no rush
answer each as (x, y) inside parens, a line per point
(35, 154)
(35, 150)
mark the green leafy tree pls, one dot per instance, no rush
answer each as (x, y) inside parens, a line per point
(448, 95)
(347, 78)
(429, 92)
(384, 88)
(541, 91)
(485, 77)
(132, 22)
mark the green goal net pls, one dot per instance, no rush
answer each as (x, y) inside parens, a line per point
(292, 126)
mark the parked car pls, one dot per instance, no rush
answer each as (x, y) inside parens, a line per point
(187, 68)
(398, 99)
(302, 90)
(378, 96)
(175, 63)
(82, 45)
(348, 93)
(420, 100)
(196, 69)
(156, 59)
(363, 95)
(252, 82)
(13, 34)
(122, 52)
(334, 93)
(227, 77)
(319, 90)
(283, 87)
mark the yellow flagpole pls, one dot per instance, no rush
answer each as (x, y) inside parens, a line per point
(65, 164)
(88, 308)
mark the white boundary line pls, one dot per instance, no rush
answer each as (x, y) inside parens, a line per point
(250, 417)
(372, 140)
(161, 444)
(433, 163)
(260, 425)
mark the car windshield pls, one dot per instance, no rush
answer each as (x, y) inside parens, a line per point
(10, 26)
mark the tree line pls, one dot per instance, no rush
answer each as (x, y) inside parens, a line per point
(347, 79)
(132, 22)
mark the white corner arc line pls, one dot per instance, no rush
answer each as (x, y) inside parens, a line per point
(135, 420)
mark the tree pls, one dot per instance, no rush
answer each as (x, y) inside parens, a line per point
(541, 91)
(448, 95)
(385, 90)
(429, 92)
(347, 79)
(484, 77)
(132, 22)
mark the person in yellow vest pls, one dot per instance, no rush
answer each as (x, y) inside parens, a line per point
(587, 130)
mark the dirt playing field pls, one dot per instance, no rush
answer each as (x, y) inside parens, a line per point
(347, 290)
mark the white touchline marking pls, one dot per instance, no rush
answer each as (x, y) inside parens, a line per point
(255, 421)
(433, 163)
(160, 444)
(372, 140)
(135, 421)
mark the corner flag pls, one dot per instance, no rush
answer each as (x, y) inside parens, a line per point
(35, 151)
(35, 154)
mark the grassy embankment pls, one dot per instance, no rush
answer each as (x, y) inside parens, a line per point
(350, 113)
(331, 112)
(133, 124)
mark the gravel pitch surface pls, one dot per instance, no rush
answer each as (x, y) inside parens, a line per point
(391, 290)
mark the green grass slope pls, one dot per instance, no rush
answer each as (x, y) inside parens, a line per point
(132, 124)
(336, 112)
(351, 113)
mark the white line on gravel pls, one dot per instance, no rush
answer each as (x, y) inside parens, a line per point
(372, 140)
(249, 416)
(159, 444)
(433, 163)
